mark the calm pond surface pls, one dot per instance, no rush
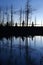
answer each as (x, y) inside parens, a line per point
(21, 51)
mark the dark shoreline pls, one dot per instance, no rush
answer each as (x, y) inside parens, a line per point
(8, 31)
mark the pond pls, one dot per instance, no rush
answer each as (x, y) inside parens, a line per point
(21, 51)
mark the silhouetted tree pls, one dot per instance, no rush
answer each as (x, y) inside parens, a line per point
(32, 24)
(23, 23)
(16, 24)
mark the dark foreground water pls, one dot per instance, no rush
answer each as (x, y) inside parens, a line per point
(21, 51)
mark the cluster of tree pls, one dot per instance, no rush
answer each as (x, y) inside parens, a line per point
(20, 25)
(7, 24)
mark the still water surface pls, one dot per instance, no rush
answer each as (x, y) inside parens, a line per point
(21, 51)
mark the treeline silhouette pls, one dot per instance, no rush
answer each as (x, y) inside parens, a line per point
(7, 24)
(16, 24)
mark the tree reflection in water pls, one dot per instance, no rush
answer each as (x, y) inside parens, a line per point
(20, 53)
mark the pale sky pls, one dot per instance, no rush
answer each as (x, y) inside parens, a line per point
(17, 4)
